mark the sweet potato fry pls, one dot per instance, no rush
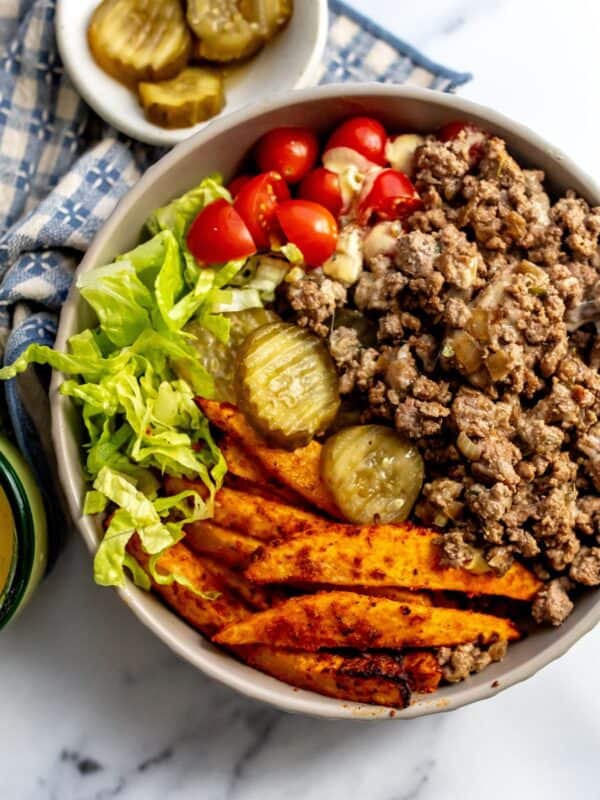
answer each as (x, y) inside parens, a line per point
(240, 463)
(230, 547)
(369, 678)
(299, 469)
(424, 672)
(391, 592)
(257, 597)
(247, 474)
(252, 514)
(262, 518)
(379, 555)
(347, 619)
(173, 485)
(207, 616)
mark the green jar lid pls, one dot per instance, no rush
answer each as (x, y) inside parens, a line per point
(23, 532)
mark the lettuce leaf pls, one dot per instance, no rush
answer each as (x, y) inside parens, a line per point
(121, 301)
(135, 376)
(179, 214)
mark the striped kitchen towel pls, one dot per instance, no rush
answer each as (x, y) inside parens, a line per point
(62, 170)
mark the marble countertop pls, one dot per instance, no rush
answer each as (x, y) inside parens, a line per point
(94, 707)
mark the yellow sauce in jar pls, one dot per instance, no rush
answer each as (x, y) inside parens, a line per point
(7, 539)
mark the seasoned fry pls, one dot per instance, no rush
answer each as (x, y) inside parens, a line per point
(348, 619)
(424, 672)
(391, 592)
(240, 463)
(370, 678)
(249, 474)
(207, 616)
(298, 469)
(230, 547)
(257, 597)
(175, 485)
(252, 514)
(380, 555)
(264, 519)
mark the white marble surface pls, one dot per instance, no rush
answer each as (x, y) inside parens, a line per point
(93, 707)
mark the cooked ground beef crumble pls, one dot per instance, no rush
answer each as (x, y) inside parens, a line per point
(471, 327)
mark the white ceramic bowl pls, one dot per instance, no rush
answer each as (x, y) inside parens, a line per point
(220, 147)
(290, 61)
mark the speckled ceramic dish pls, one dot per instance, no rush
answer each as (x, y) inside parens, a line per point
(220, 147)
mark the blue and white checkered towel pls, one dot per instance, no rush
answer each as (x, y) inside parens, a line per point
(62, 170)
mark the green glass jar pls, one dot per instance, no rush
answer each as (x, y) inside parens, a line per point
(23, 532)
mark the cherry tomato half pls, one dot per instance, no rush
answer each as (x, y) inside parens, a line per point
(237, 183)
(219, 234)
(364, 134)
(391, 196)
(322, 186)
(291, 152)
(475, 137)
(256, 202)
(311, 227)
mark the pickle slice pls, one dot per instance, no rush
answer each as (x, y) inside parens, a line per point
(374, 474)
(220, 359)
(192, 96)
(287, 384)
(224, 33)
(140, 40)
(270, 15)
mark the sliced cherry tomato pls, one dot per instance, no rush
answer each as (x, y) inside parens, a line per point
(322, 186)
(364, 134)
(391, 196)
(311, 227)
(219, 234)
(256, 203)
(292, 152)
(475, 137)
(237, 183)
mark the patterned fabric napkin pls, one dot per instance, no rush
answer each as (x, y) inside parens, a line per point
(62, 171)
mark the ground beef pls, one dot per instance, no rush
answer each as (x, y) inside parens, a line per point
(580, 225)
(587, 519)
(483, 348)
(315, 300)
(552, 604)
(441, 166)
(456, 551)
(585, 568)
(461, 661)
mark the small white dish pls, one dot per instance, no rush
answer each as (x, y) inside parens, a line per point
(290, 61)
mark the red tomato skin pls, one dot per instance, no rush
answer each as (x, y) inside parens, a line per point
(365, 135)
(392, 196)
(236, 184)
(322, 186)
(451, 130)
(292, 152)
(256, 202)
(219, 234)
(311, 227)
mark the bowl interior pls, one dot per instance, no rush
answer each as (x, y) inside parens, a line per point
(221, 147)
(291, 60)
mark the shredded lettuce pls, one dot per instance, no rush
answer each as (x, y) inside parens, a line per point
(135, 375)
(139, 414)
(178, 215)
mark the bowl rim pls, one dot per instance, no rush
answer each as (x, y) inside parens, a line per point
(301, 701)
(165, 137)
